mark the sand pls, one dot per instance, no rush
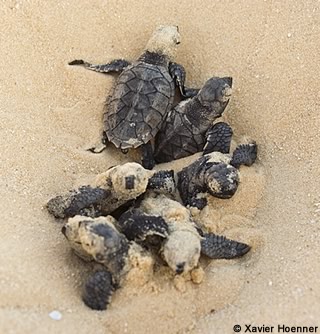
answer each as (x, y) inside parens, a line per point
(50, 113)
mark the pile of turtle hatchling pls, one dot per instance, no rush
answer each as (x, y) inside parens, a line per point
(131, 213)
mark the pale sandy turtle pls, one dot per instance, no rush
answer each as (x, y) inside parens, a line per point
(143, 93)
(183, 242)
(189, 127)
(215, 173)
(120, 258)
(111, 190)
(99, 241)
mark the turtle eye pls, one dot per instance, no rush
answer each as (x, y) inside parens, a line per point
(90, 244)
(129, 182)
(64, 230)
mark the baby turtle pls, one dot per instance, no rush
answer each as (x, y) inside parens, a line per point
(214, 173)
(98, 240)
(121, 259)
(143, 93)
(111, 190)
(188, 127)
(183, 242)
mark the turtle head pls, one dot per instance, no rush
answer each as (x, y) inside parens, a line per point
(222, 180)
(128, 180)
(71, 231)
(182, 251)
(215, 94)
(101, 240)
(97, 239)
(164, 41)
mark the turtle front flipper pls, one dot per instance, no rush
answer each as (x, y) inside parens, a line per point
(219, 247)
(192, 195)
(244, 154)
(218, 138)
(116, 65)
(138, 226)
(81, 201)
(178, 74)
(162, 182)
(190, 92)
(191, 183)
(198, 203)
(98, 290)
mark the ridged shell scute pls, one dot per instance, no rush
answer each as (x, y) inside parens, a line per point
(142, 97)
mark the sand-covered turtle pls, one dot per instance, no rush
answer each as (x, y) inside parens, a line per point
(120, 260)
(184, 241)
(110, 190)
(215, 173)
(143, 93)
(189, 127)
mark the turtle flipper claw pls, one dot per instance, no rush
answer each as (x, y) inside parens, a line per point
(77, 62)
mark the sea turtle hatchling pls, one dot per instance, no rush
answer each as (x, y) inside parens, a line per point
(143, 93)
(122, 260)
(214, 173)
(98, 240)
(184, 241)
(111, 189)
(189, 127)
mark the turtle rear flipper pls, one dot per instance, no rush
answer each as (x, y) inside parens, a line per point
(138, 226)
(219, 247)
(218, 138)
(100, 147)
(98, 290)
(244, 154)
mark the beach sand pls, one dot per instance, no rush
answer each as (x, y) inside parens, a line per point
(51, 112)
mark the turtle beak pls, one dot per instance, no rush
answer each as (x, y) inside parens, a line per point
(180, 268)
(228, 80)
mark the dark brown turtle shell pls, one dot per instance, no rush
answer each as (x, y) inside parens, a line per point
(142, 97)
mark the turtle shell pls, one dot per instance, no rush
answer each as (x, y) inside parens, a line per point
(142, 97)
